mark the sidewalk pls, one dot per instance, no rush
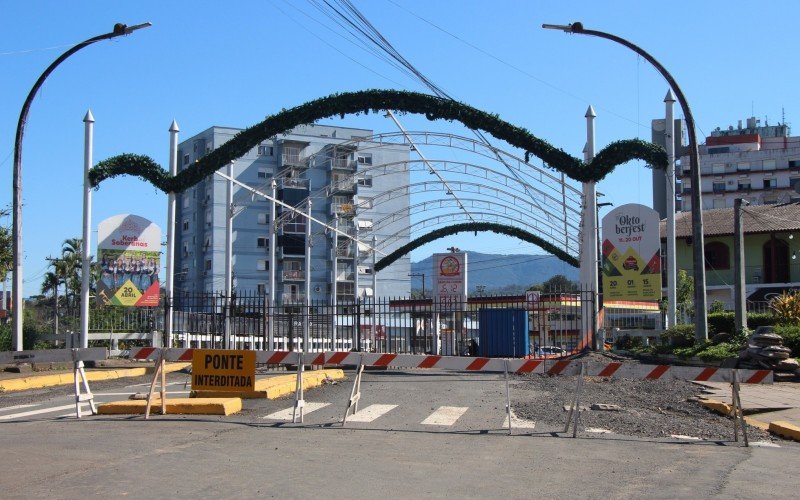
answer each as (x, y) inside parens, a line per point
(774, 407)
(110, 369)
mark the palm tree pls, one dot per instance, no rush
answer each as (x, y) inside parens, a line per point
(71, 256)
(50, 284)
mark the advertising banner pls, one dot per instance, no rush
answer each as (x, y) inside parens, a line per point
(449, 280)
(631, 254)
(129, 256)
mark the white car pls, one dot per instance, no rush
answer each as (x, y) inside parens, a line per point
(549, 351)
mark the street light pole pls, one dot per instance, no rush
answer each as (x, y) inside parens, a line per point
(701, 313)
(16, 230)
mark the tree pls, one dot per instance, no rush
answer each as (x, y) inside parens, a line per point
(684, 292)
(557, 283)
(6, 258)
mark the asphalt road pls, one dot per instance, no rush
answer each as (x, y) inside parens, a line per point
(412, 448)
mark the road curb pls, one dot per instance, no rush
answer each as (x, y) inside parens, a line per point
(785, 429)
(175, 406)
(727, 410)
(276, 387)
(56, 379)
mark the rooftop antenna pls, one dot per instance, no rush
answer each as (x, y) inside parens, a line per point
(783, 115)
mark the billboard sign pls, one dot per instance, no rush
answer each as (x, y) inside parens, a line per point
(449, 280)
(631, 254)
(129, 256)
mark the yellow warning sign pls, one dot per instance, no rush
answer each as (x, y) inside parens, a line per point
(223, 370)
(127, 295)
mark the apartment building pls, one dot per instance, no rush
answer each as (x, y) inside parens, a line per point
(339, 169)
(758, 163)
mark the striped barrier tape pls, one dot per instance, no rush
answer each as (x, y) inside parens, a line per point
(519, 366)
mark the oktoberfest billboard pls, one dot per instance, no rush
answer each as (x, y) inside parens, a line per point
(129, 256)
(631, 254)
(449, 280)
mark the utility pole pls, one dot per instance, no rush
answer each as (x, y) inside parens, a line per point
(739, 304)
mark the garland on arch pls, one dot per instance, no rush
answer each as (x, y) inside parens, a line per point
(476, 226)
(434, 108)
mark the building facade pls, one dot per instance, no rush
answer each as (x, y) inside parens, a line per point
(771, 247)
(758, 163)
(338, 170)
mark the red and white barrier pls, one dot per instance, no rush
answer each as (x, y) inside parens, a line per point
(520, 366)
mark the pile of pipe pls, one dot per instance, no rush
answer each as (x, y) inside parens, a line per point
(765, 350)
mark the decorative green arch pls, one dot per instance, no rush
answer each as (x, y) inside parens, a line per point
(365, 101)
(475, 226)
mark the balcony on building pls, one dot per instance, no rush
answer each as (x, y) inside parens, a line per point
(345, 250)
(342, 184)
(293, 183)
(294, 275)
(292, 154)
(342, 163)
(293, 298)
(347, 209)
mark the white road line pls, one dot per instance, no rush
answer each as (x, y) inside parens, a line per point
(518, 423)
(765, 444)
(370, 413)
(155, 394)
(445, 415)
(148, 384)
(39, 412)
(17, 407)
(286, 414)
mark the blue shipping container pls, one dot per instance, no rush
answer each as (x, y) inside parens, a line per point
(503, 333)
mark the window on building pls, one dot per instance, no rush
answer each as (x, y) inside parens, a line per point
(744, 185)
(365, 203)
(208, 265)
(743, 166)
(717, 256)
(186, 225)
(185, 159)
(770, 183)
(261, 288)
(719, 203)
(794, 163)
(262, 173)
(265, 151)
(366, 181)
(262, 242)
(364, 158)
(718, 168)
(719, 187)
(262, 265)
(365, 224)
(769, 164)
(263, 218)
(186, 200)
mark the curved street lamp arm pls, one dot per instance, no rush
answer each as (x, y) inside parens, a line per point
(16, 229)
(701, 331)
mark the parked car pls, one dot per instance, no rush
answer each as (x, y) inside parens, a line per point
(549, 351)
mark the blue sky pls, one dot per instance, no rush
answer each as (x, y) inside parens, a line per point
(204, 64)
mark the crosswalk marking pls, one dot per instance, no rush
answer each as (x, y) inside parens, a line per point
(370, 413)
(287, 413)
(39, 412)
(17, 407)
(518, 423)
(445, 415)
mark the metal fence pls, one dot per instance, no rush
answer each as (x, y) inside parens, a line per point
(390, 325)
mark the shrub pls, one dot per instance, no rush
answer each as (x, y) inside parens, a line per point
(627, 343)
(719, 351)
(791, 337)
(5, 337)
(721, 322)
(716, 307)
(787, 307)
(679, 336)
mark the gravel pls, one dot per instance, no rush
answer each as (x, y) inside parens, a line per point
(649, 408)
